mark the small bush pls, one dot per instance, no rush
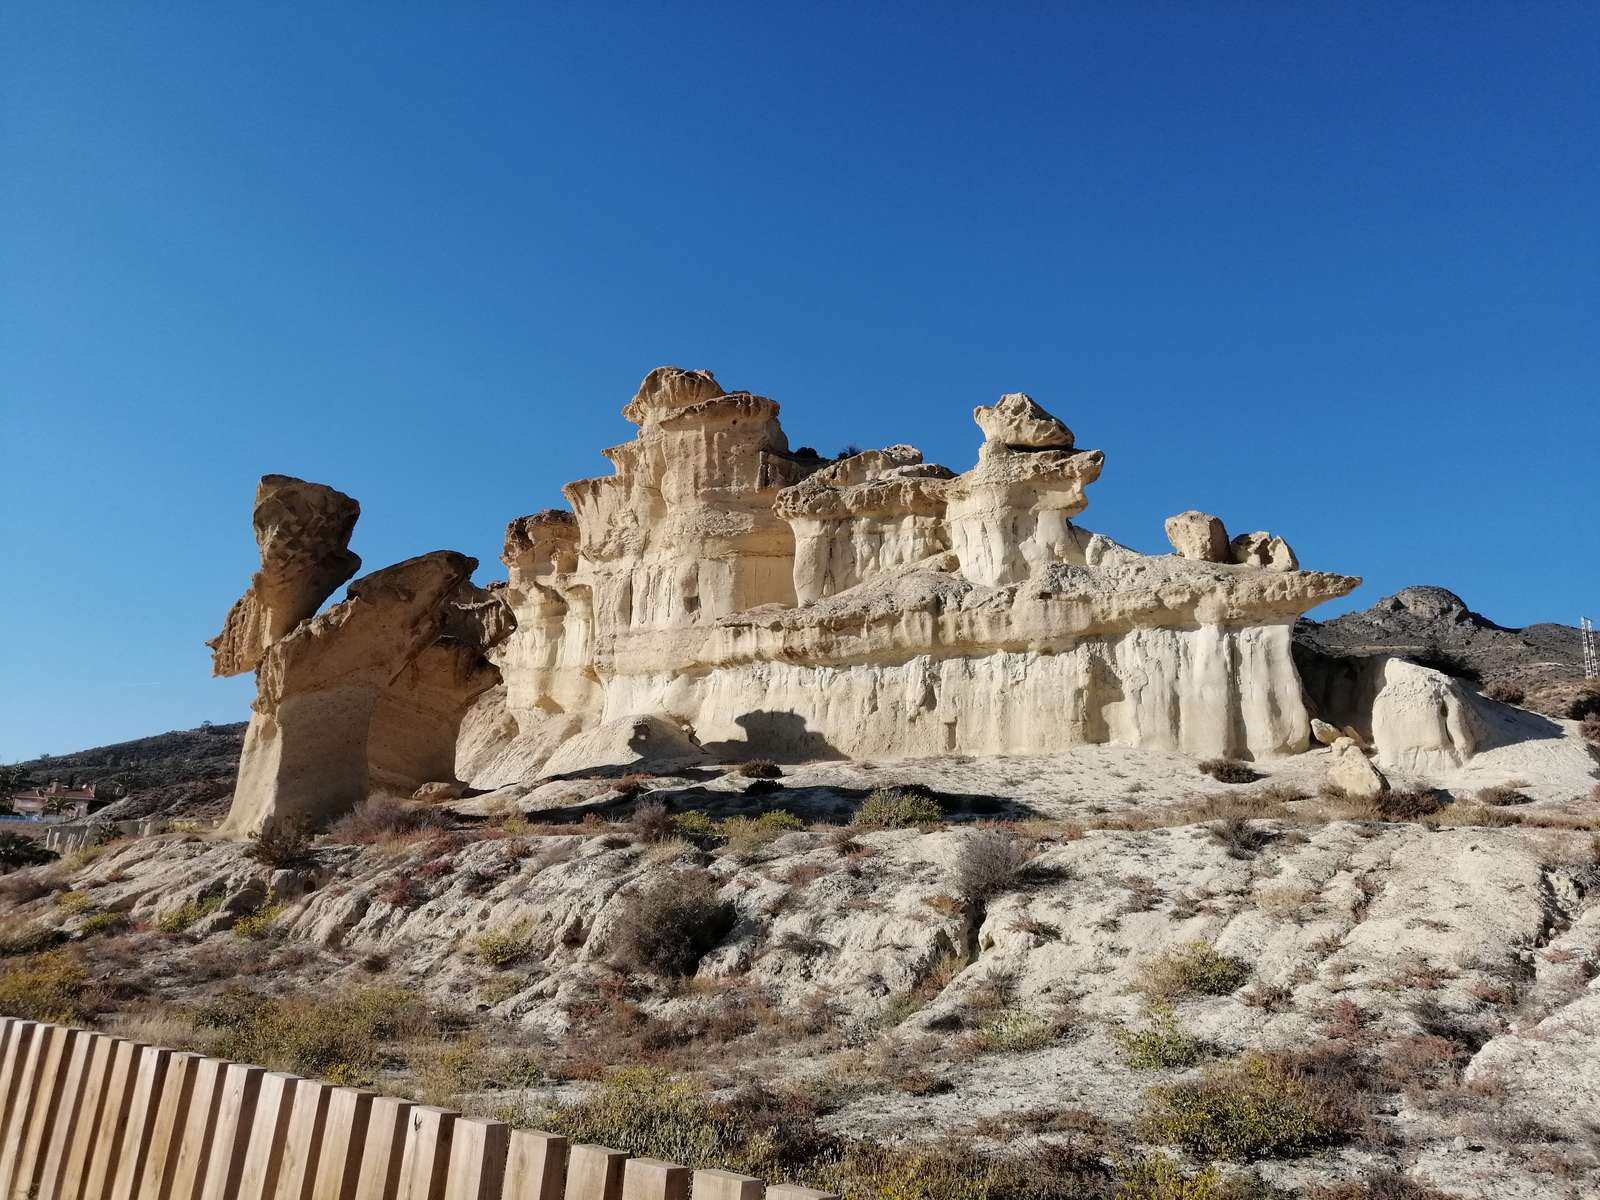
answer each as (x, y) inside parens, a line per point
(1503, 795)
(1159, 1178)
(381, 819)
(1590, 729)
(53, 986)
(503, 945)
(1016, 1031)
(280, 844)
(760, 768)
(1241, 839)
(1505, 693)
(747, 834)
(338, 1038)
(896, 808)
(1227, 770)
(1192, 969)
(650, 822)
(1410, 805)
(1260, 1108)
(988, 864)
(256, 924)
(33, 940)
(694, 824)
(72, 903)
(1163, 1044)
(667, 928)
(104, 922)
(176, 920)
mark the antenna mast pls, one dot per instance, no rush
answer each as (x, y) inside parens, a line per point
(1591, 663)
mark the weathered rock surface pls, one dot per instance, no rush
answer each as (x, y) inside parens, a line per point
(303, 531)
(321, 690)
(1199, 536)
(879, 605)
(1352, 773)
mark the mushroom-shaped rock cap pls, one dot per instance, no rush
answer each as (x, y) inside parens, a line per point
(1020, 424)
(669, 388)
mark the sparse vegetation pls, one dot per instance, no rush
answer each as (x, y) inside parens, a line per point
(381, 819)
(896, 808)
(988, 864)
(1161, 1044)
(281, 843)
(52, 986)
(18, 851)
(1192, 969)
(1503, 795)
(760, 768)
(1016, 1031)
(258, 922)
(1505, 693)
(1228, 770)
(667, 927)
(1266, 1106)
(176, 920)
(503, 945)
(745, 835)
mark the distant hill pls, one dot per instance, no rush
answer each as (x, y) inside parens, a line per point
(1434, 627)
(188, 771)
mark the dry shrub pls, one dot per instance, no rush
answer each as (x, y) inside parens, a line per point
(746, 835)
(53, 986)
(988, 864)
(651, 822)
(668, 927)
(503, 945)
(1286, 899)
(1228, 770)
(403, 891)
(339, 1038)
(1162, 1044)
(759, 768)
(17, 851)
(1383, 1185)
(1241, 839)
(1192, 969)
(281, 843)
(1504, 795)
(1505, 693)
(384, 819)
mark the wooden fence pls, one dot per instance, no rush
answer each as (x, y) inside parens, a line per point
(87, 1116)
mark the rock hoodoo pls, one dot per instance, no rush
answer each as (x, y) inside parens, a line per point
(763, 602)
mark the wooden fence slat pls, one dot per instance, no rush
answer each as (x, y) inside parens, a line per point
(308, 1121)
(594, 1173)
(650, 1179)
(726, 1185)
(100, 1176)
(269, 1133)
(48, 1087)
(96, 1093)
(118, 1177)
(19, 1042)
(22, 1109)
(64, 1123)
(793, 1191)
(166, 1130)
(427, 1155)
(477, 1168)
(241, 1088)
(9, 1028)
(387, 1128)
(343, 1144)
(536, 1166)
(198, 1128)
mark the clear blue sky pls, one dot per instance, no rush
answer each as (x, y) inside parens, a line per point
(1328, 270)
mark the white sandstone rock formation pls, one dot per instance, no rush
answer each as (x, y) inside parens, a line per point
(782, 606)
(1352, 773)
(303, 531)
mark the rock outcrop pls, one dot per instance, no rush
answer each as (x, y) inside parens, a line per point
(878, 605)
(303, 531)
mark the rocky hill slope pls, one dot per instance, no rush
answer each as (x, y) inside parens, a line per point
(185, 772)
(1434, 627)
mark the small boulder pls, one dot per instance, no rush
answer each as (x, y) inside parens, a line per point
(1353, 773)
(1325, 733)
(1018, 423)
(1199, 536)
(437, 793)
(1262, 549)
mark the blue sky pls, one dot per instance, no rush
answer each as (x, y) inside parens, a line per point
(1328, 270)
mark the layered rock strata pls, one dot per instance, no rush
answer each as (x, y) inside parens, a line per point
(778, 605)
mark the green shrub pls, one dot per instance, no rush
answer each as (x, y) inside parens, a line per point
(53, 986)
(896, 808)
(72, 903)
(694, 824)
(1259, 1108)
(176, 920)
(101, 922)
(503, 945)
(280, 844)
(18, 851)
(744, 834)
(258, 923)
(1192, 969)
(32, 940)
(1227, 770)
(1159, 1178)
(1162, 1045)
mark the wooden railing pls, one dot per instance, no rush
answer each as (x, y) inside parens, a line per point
(87, 1116)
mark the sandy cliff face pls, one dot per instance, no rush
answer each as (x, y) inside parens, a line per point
(880, 605)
